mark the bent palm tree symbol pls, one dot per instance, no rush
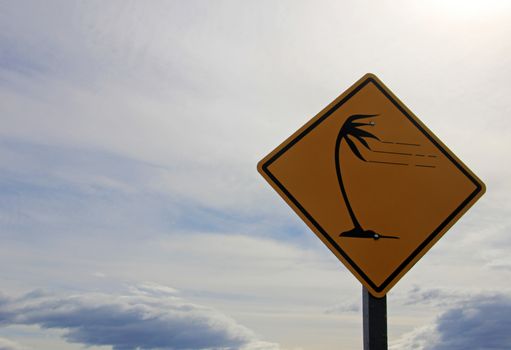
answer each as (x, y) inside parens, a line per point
(350, 128)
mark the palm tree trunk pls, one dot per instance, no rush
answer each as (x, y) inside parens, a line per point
(339, 178)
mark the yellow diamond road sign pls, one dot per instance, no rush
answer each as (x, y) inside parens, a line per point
(373, 182)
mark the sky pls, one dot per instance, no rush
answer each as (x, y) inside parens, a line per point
(131, 212)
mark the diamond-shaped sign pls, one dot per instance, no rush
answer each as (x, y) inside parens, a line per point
(373, 182)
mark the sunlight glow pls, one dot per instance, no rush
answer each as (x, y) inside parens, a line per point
(470, 9)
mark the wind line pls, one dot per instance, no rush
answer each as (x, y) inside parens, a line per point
(390, 163)
(401, 153)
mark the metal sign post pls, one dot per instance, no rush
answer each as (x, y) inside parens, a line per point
(375, 321)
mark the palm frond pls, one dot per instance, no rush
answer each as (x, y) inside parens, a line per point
(354, 117)
(354, 148)
(354, 125)
(362, 141)
(351, 131)
(362, 133)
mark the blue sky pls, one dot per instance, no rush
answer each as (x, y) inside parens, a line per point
(131, 212)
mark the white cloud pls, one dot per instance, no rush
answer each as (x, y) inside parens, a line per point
(148, 320)
(6, 344)
(418, 339)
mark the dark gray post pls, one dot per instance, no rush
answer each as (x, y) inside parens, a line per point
(375, 321)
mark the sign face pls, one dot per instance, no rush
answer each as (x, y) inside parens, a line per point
(373, 182)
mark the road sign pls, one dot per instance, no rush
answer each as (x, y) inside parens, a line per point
(373, 182)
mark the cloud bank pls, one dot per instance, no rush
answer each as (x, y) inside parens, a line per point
(480, 323)
(149, 317)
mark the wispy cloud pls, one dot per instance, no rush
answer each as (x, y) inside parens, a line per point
(434, 296)
(149, 317)
(343, 308)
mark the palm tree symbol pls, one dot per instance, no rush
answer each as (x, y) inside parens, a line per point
(351, 129)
